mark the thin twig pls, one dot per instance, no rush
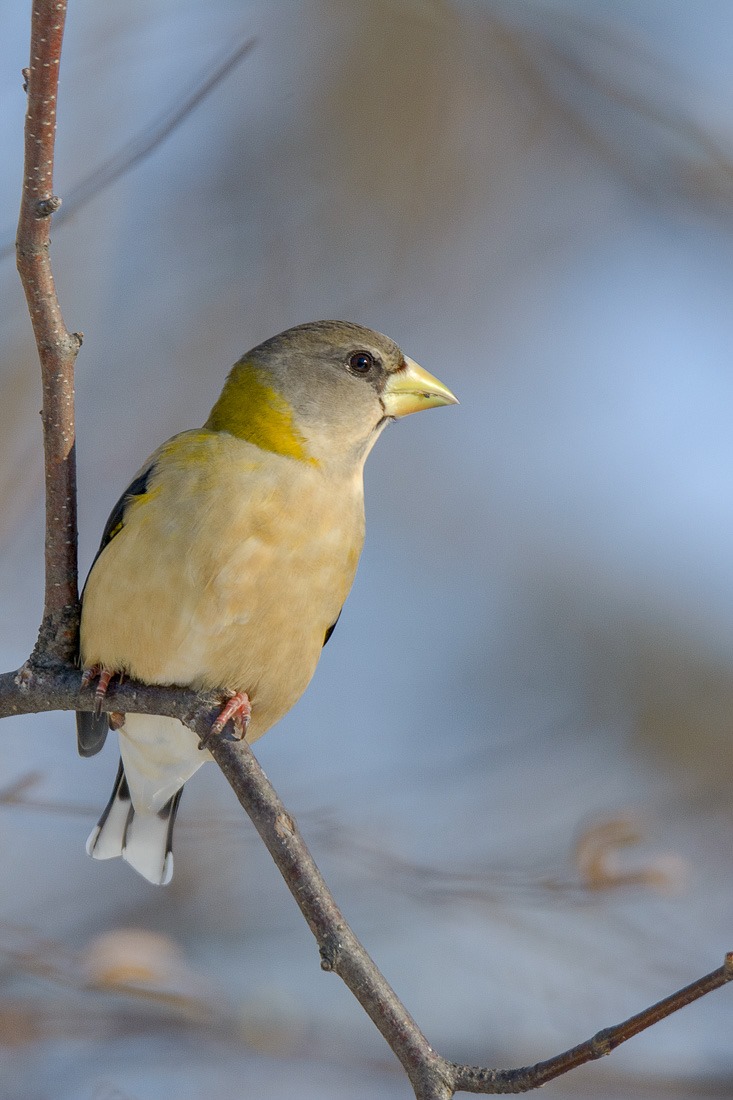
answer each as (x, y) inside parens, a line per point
(57, 347)
(525, 1079)
(528, 50)
(142, 145)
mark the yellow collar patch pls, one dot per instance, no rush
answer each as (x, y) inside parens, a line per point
(250, 409)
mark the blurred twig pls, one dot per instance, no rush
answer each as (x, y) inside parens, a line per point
(620, 100)
(142, 145)
(50, 681)
(596, 858)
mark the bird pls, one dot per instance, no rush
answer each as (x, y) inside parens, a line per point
(226, 562)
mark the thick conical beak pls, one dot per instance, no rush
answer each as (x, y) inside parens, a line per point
(411, 388)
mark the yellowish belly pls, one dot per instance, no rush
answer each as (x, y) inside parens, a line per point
(237, 593)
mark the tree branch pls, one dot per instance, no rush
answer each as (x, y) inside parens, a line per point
(57, 347)
(527, 1078)
(57, 687)
(50, 681)
(51, 685)
(340, 950)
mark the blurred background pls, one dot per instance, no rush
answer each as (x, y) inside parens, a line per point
(514, 763)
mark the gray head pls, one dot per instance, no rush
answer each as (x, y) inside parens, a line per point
(322, 392)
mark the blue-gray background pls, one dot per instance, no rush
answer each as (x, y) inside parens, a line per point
(536, 663)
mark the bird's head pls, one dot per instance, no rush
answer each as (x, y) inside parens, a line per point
(322, 392)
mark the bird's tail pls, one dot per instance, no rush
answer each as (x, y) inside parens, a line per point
(144, 840)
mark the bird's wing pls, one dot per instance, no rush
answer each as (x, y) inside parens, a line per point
(332, 627)
(91, 731)
(116, 521)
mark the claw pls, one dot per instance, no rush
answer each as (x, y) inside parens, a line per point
(238, 711)
(101, 690)
(89, 674)
(104, 675)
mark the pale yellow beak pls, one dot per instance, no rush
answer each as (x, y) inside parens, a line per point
(411, 388)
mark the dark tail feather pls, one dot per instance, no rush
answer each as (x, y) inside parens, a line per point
(91, 732)
(108, 836)
(144, 840)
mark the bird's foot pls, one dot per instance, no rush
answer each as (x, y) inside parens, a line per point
(238, 711)
(104, 676)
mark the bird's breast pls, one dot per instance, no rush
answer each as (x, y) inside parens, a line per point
(236, 591)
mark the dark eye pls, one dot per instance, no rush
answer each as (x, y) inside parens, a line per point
(361, 362)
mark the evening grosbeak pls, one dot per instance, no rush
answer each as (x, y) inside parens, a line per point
(225, 564)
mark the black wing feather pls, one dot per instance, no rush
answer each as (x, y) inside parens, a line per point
(116, 521)
(331, 629)
(91, 731)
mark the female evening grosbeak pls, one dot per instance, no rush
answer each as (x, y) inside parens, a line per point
(225, 564)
